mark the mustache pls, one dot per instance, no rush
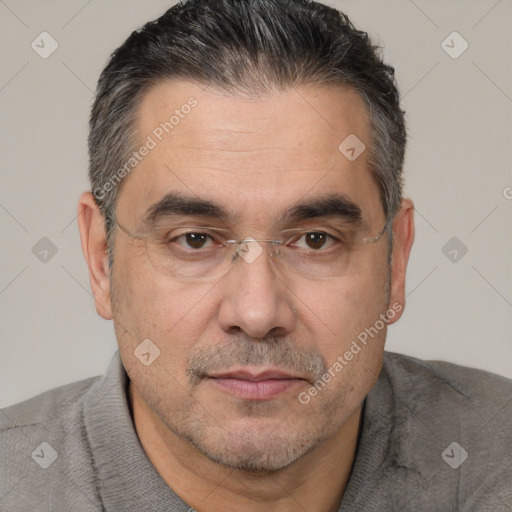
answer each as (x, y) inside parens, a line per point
(275, 352)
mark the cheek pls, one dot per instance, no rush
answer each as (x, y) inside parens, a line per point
(350, 335)
(340, 311)
(149, 306)
(171, 317)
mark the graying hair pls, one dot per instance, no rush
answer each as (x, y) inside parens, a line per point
(244, 47)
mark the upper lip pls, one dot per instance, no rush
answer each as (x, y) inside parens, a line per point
(255, 377)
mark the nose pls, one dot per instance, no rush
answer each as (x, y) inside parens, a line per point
(256, 298)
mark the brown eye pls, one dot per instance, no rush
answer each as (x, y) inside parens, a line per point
(196, 240)
(316, 240)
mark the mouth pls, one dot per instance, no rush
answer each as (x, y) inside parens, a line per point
(247, 385)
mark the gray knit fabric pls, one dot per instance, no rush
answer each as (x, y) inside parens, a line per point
(74, 448)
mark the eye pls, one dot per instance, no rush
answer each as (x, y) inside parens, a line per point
(314, 240)
(192, 240)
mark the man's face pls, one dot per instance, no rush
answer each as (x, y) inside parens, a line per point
(256, 159)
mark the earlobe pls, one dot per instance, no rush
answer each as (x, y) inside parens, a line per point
(94, 246)
(403, 238)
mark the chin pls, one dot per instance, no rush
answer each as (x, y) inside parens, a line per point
(255, 449)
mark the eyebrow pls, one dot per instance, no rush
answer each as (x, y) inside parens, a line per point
(175, 203)
(331, 205)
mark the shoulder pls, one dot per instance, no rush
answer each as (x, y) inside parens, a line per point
(452, 427)
(43, 444)
(450, 396)
(436, 382)
(48, 406)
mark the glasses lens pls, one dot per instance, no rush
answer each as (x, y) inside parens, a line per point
(204, 254)
(183, 253)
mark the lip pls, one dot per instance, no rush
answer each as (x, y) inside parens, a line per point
(247, 385)
(255, 377)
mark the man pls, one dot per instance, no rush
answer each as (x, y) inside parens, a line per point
(246, 233)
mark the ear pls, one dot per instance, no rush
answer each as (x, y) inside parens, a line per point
(94, 246)
(403, 238)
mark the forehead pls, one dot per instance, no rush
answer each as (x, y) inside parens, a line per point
(252, 154)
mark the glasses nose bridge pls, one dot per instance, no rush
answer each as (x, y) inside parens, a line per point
(250, 249)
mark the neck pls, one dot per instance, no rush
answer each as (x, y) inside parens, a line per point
(315, 482)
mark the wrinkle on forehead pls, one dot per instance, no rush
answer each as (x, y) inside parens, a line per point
(219, 118)
(252, 153)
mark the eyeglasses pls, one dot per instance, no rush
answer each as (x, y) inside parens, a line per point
(198, 253)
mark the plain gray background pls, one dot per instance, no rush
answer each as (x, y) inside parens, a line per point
(458, 172)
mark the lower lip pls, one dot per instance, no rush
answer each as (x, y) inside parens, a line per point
(256, 390)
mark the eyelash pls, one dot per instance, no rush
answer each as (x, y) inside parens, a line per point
(333, 239)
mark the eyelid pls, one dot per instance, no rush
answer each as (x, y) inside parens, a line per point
(284, 235)
(173, 232)
(328, 230)
(189, 227)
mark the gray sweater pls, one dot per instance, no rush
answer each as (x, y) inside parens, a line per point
(435, 437)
